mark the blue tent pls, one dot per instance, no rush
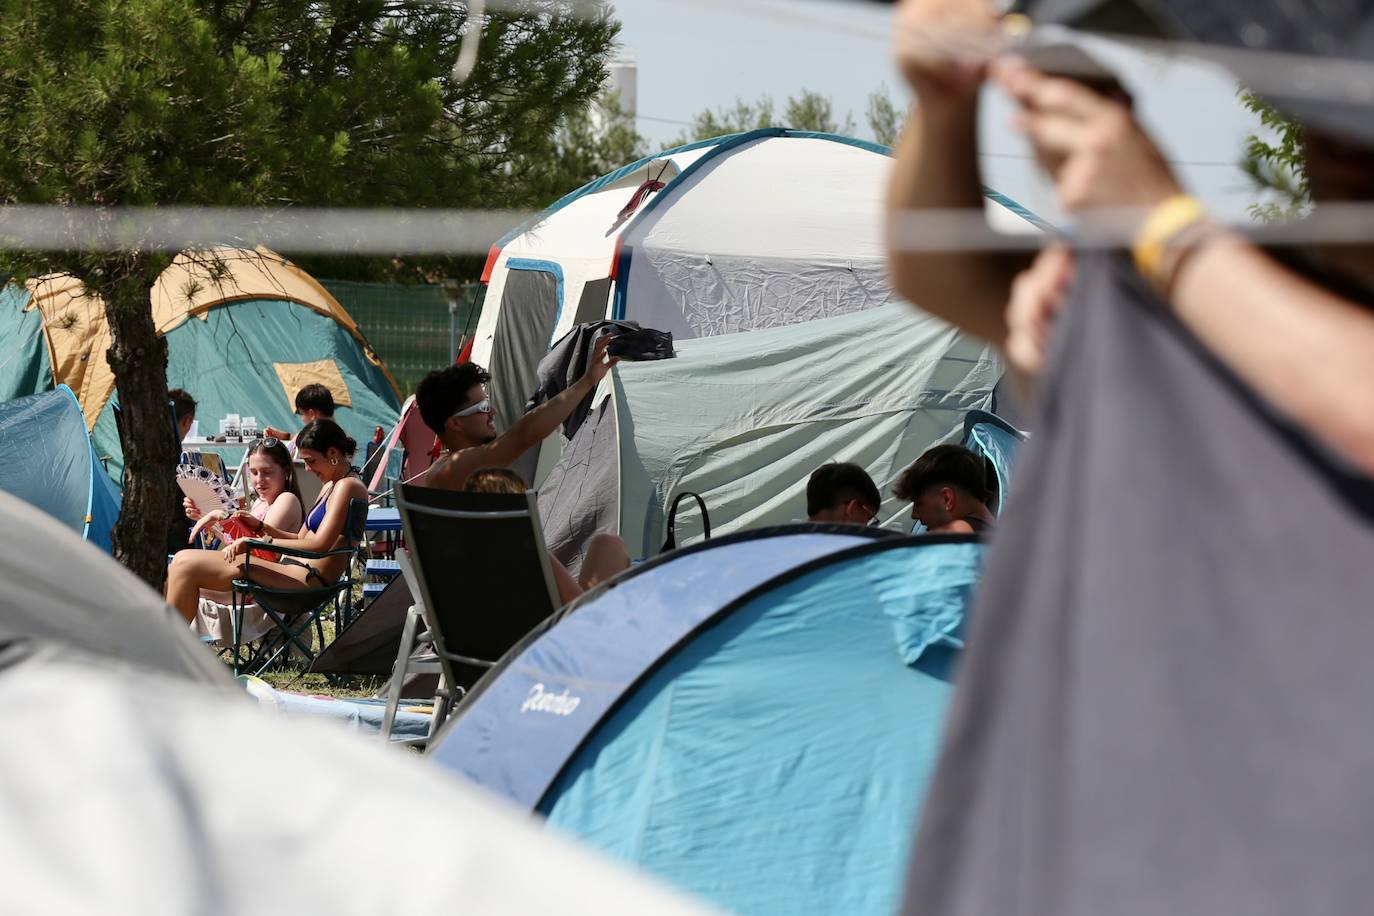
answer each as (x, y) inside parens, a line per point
(46, 459)
(753, 718)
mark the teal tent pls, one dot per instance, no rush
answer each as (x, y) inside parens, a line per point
(245, 330)
(46, 459)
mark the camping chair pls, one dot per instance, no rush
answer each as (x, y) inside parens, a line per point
(295, 610)
(480, 577)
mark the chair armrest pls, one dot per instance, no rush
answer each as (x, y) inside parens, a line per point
(298, 552)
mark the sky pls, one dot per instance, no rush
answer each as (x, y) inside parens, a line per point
(697, 54)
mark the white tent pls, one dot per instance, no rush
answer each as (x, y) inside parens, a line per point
(138, 779)
(754, 230)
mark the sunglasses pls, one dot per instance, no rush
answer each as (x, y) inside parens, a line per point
(482, 406)
(268, 441)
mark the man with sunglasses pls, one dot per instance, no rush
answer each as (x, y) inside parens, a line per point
(842, 493)
(453, 402)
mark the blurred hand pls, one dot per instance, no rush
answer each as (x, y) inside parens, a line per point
(1094, 149)
(1037, 297)
(943, 47)
(601, 363)
(279, 434)
(192, 511)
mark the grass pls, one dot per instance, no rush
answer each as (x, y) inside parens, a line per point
(293, 677)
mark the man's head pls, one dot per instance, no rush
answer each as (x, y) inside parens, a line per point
(314, 402)
(944, 484)
(842, 493)
(185, 408)
(453, 403)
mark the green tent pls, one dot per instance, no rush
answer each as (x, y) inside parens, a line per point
(245, 330)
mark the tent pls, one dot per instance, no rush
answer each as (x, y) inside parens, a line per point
(118, 797)
(46, 459)
(754, 230)
(753, 719)
(766, 409)
(245, 330)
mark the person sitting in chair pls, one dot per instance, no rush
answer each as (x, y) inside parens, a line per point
(606, 554)
(327, 452)
(278, 504)
(843, 494)
(453, 402)
(948, 490)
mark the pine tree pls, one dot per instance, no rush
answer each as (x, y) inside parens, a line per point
(108, 103)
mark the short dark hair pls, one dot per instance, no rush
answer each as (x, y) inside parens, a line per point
(495, 480)
(834, 484)
(442, 392)
(951, 465)
(315, 397)
(322, 435)
(182, 402)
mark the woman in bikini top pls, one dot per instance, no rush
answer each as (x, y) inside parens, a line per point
(325, 449)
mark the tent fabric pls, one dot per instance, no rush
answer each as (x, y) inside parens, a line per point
(369, 643)
(731, 770)
(219, 288)
(876, 388)
(24, 365)
(64, 596)
(1168, 723)
(295, 376)
(520, 724)
(755, 230)
(46, 459)
(124, 799)
(999, 443)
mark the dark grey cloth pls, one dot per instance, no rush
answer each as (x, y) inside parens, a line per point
(1164, 703)
(1330, 29)
(567, 361)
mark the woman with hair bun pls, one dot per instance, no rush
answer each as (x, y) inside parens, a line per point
(327, 452)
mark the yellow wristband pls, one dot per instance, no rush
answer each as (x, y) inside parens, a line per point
(1166, 220)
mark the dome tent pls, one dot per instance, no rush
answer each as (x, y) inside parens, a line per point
(244, 329)
(699, 715)
(754, 230)
(46, 460)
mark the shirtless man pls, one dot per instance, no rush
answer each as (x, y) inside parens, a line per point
(453, 402)
(948, 490)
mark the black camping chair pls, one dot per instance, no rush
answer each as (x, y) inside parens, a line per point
(295, 610)
(480, 577)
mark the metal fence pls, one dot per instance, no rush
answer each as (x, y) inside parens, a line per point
(413, 328)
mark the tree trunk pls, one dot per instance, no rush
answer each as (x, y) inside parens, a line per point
(138, 357)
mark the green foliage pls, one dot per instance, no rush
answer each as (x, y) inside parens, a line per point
(1277, 167)
(294, 102)
(884, 117)
(806, 111)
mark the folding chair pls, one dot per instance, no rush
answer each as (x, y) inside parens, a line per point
(481, 579)
(295, 610)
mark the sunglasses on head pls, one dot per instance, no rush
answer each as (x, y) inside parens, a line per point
(482, 406)
(267, 441)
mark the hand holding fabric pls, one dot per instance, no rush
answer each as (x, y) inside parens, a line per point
(1092, 146)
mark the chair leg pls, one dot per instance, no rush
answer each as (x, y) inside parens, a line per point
(398, 671)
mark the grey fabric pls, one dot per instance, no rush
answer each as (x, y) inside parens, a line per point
(582, 493)
(64, 596)
(567, 361)
(529, 311)
(1163, 707)
(1330, 29)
